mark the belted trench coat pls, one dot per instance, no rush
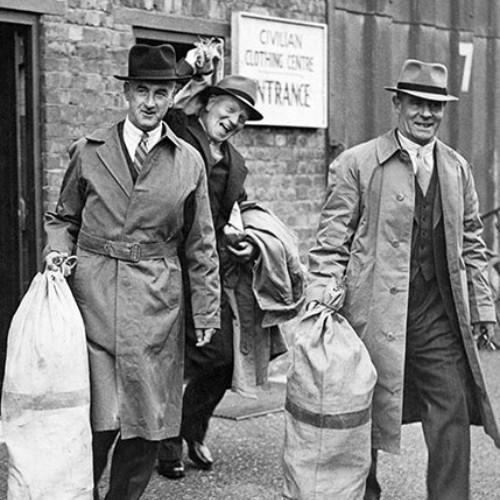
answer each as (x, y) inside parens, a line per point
(364, 239)
(127, 281)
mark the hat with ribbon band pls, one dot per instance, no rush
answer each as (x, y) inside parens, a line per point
(243, 89)
(425, 80)
(152, 63)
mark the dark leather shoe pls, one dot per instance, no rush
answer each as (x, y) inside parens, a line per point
(200, 455)
(373, 489)
(172, 470)
(371, 495)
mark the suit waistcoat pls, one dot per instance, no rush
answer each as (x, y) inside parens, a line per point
(426, 209)
(428, 254)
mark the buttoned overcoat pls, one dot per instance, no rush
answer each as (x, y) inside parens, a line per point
(127, 281)
(365, 236)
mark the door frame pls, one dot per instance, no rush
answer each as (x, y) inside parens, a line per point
(34, 154)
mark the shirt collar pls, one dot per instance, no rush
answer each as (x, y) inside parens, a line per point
(418, 153)
(130, 131)
(413, 148)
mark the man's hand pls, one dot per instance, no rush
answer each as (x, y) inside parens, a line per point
(483, 334)
(244, 251)
(202, 57)
(197, 59)
(204, 335)
(312, 304)
(56, 261)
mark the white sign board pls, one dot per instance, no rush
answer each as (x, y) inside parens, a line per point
(288, 60)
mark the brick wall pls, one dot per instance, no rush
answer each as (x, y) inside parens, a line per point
(82, 50)
(287, 175)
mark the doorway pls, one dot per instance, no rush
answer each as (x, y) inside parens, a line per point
(20, 213)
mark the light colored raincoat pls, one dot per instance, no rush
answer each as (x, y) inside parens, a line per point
(365, 237)
(127, 281)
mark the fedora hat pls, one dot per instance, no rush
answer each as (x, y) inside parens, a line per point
(425, 80)
(243, 89)
(152, 63)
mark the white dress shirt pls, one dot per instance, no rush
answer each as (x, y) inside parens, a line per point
(422, 157)
(132, 136)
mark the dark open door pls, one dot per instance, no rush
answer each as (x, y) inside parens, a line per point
(20, 217)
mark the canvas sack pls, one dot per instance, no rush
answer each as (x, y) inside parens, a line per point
(327, 449)
(46, 396)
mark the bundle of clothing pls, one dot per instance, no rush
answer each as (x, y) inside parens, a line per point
(264, 294)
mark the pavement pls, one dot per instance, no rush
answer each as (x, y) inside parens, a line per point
(247, 456)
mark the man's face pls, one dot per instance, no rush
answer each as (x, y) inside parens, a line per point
(224, 117)
(148, 102)
(418, 119)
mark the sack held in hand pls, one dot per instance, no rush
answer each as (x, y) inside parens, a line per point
(46, 396)
(327, 450)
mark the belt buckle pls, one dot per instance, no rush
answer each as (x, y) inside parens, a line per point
(135, 252)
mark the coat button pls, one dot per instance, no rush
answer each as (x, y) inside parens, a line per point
(390, 336)
(400, 197)
(393, 290)
(395, 243)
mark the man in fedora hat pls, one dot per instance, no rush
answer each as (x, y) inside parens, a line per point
(133, 195)
(400, 230)
(207, 117)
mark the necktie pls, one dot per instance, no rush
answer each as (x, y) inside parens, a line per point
(423, 173)
(141, 152)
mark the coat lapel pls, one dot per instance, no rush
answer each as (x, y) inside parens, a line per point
(113, 158)
(437, 210)
(237, 169)
(449, 186)
(195, 129)
(237, 174)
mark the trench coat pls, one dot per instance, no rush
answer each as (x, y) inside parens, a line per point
(127, 281)
(364, 241)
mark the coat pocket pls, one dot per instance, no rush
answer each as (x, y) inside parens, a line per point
(174, 288)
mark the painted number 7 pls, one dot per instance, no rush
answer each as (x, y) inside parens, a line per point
(466, 49)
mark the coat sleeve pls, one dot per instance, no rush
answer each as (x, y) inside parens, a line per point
(63, 224)
(339, 219)
(475, 257)
(189, 98)
(201, 258)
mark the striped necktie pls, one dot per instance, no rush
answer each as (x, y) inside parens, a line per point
(141, 152)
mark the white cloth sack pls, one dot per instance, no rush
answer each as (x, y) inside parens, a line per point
(327, 449)
(46, 396)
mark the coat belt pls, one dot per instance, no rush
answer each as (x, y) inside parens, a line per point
(131, 251)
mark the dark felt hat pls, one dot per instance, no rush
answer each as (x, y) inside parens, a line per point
(152, 63)
(241, 88)
(425, 80)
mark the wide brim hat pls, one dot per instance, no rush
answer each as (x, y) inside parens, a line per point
(152, 63)
(425, 80)
(243, 89)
